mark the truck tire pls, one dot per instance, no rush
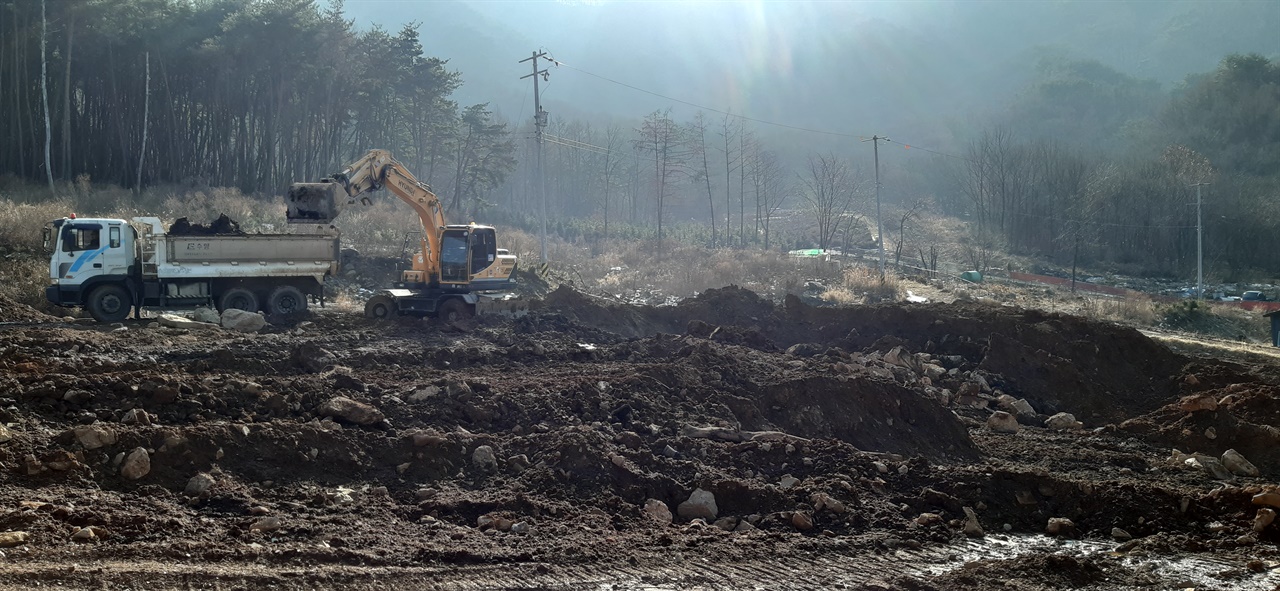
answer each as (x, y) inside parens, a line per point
(286, 300)
(380, 306)
(239, 298)
(109, 303)
(453, 310)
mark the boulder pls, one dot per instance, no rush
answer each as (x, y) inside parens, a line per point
(208, 315)
(1266, 516)
(13, 538)
(349, 410)
(701, 504)
(1198, 402)
(1002, 422)
(175, 321)
(972, 528)
(657, 511)
(137, 464)
(312, 358)
(94, 436)
(484, 458)
(1060, 526)
(199, 485)
(801, 521)
(1237, 464)
(242, 321)
(1270, 499)
(1213, 466)
(1023, 408)
(1063, 422)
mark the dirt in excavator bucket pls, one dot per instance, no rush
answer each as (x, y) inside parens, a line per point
(310, 203)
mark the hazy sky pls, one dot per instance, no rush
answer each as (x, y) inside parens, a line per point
(858, 67)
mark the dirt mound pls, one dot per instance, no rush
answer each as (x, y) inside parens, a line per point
(1245, 419)
(1100, 372)
(589, 436)
(13, 311)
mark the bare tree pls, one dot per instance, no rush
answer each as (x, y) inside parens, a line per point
(910, 213)
(829, 189)
(612, 168)
(769, 179)
(730, 129)
(660, 136)
(44, 91)
(697, 133)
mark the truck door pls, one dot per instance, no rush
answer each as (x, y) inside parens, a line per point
(90, 249)
(454, 257)
(484, 249)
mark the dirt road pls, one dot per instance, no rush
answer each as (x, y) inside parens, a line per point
(725, 443)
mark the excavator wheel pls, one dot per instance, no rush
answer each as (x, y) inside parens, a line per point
(380, 306)
(453, 310)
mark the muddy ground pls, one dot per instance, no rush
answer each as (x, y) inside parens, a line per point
(842, 448)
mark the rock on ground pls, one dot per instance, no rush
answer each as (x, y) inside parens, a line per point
(1063, 421)
(206, 315)
(1002, 422)
(349, 410)
(175, 321)
(657, 511)
(137, 464)
(94, 436)
(701, 504)
(242, 321)
(1237, 464)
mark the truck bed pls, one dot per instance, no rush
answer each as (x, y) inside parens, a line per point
(250, 248)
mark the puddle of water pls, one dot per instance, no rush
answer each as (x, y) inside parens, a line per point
(1199, 571)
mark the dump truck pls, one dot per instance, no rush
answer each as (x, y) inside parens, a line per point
(112, 266)
(458, 267)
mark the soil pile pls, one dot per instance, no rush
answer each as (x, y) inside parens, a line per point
(222, 225)
(13, 311)
(592, 441)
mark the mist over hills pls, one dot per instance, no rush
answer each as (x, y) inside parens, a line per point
(926, 70)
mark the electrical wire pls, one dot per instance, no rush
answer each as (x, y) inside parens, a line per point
(559, 63)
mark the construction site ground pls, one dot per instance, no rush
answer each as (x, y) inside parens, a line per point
(727, 442)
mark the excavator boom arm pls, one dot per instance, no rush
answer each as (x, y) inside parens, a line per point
(322, 202)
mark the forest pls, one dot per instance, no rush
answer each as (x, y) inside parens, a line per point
(1085, 164)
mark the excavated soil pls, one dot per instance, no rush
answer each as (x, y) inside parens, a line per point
(843, 448)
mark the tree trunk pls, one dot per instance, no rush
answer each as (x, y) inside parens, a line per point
(44, 92)
(66, 98)
(146, 108)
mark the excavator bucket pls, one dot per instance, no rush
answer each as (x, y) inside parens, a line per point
(506, 305)
(314, 203)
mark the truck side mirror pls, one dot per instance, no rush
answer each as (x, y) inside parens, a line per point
(47, 236)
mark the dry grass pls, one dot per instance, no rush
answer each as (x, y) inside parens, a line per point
(863, 285)
(21, 224)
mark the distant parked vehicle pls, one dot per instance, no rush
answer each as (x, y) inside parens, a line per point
(1253, 296)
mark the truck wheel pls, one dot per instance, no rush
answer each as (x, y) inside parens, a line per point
(109, 303)
(379, 307)
(286, 299)
(453, 310)
(238, 298)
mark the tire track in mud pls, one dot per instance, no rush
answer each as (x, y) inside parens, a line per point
(889, 570)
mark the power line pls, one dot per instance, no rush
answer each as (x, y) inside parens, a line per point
(559, 63)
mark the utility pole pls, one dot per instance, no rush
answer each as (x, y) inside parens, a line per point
(875, 146)
(1199, 245)
(539, 122)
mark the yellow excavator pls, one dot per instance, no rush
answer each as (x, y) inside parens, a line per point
(455, 263)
